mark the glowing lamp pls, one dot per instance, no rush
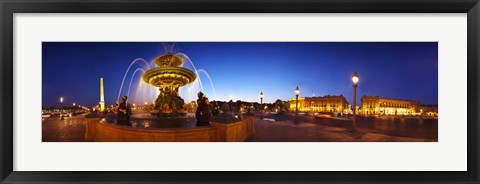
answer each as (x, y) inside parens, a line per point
(355, 78)
(261, 94)
(297, 91)
(61, 99)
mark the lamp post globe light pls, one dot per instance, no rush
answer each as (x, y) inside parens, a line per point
(355, 84)
(261, 105)
(297, 91)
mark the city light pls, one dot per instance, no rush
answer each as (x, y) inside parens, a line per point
(261, 104)
(355, 78)
(297, 92)
(354, 121)
(61, 104)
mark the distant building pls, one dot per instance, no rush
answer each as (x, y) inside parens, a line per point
(429, 110)
(320, 104)
(372, 105)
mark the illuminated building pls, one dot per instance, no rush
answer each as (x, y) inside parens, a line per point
(321, 104)
(429, 110)
(372, 105)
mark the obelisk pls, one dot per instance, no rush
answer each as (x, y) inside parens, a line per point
(102, 99)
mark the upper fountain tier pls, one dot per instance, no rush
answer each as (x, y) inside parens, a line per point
(169, 73)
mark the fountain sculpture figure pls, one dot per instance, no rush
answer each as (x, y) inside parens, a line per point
(169, 77)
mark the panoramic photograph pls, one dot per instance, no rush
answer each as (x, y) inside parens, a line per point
(239, 92)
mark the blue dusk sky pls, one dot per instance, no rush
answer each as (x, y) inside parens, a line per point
(402, 70)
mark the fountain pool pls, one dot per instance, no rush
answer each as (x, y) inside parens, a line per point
(143, 119)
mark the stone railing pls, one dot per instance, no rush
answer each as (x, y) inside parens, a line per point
(99, 131)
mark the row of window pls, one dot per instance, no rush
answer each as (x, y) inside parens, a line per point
(369, 105)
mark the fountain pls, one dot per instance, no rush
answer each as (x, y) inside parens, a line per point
(170, 122)
(125, 75)
(169, 77)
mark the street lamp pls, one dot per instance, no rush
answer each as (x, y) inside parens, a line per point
(355, 81)
(261, 105)
(61, 105)
(297, 91)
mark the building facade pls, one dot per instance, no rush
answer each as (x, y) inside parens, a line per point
(429, 110)
(325, 104)
(374, 105)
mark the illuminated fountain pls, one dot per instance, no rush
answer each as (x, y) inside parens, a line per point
(140, 92)
(169, 77)
(160, 95)
(164, 84)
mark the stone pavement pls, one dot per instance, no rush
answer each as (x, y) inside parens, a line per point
(287, 131)
(73, 130)
(70, 129)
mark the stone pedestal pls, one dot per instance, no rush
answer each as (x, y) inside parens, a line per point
(100, 131)
(233, 132)
(250, 125)
(90, 127)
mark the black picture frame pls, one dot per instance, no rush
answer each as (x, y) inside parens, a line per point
(9, 7)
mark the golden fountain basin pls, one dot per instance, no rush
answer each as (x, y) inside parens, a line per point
(169, 75)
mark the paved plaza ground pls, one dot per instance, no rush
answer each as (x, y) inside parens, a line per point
(421, 129)
(310, 129)
(287, 131)
(68, 130)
